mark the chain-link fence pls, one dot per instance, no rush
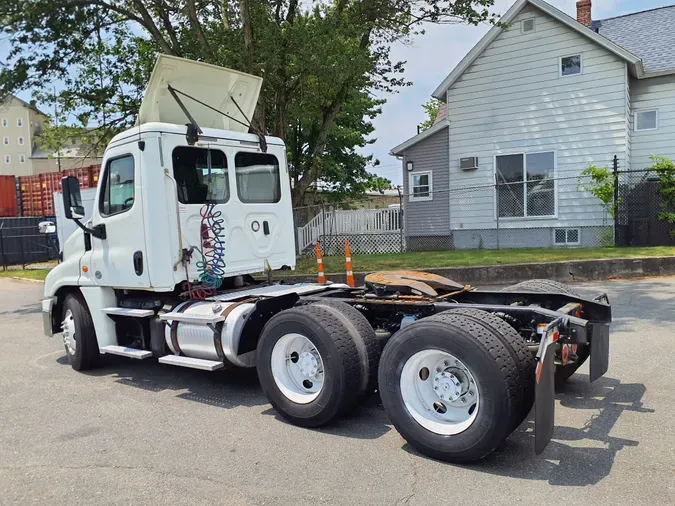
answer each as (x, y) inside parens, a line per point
(541, 212)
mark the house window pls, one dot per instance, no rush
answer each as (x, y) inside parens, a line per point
(568, 236)
(421, 187)
(525, 185)
(646, 120)
(6, 141)
(570, 65)
(4, 122)
(22, 159)
(8, 159)
(20, 141)
(19, 122)
(527, 25)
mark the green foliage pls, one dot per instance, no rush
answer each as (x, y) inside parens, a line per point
(665, 168)
(599, 182)
(431, 108)
(321, 63)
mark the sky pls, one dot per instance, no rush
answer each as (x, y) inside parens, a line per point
(431, 57)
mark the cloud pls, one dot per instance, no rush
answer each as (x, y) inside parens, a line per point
(432, 56)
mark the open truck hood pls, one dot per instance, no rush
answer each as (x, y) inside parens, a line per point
(207, 83)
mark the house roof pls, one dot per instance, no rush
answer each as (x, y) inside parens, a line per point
(23, 102)
(635, 64)
(398, 150)
(647, 34)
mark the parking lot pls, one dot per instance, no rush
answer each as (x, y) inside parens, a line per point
(144, 433)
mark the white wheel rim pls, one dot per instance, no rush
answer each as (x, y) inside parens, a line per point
(68, 328)
(297, 368)
(440, 392)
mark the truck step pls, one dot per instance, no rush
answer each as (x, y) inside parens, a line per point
(203, 319)
(126, 311)
(126, 352)
(193, 363)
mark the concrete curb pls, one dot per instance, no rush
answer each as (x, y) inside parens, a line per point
(579, 270)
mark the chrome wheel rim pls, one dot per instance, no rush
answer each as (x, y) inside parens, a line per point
(440, 392)
(68, 329)
(297, 368)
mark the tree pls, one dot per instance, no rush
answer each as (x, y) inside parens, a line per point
(320, 64)
(431, 108)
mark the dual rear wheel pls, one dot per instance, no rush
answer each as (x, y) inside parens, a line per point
(454, 384)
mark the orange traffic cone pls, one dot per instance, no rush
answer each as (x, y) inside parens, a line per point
(348, 263)
(319, 263)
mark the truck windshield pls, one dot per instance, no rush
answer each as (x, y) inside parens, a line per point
(201, 175)
(257, 178)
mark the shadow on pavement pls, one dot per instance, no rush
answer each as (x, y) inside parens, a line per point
(23, 310)
(576, 456)
(369, 421)
(225, 389)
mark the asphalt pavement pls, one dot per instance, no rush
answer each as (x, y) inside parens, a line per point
(138, 432)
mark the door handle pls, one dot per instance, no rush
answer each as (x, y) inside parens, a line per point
(266, 228)
(138, 263)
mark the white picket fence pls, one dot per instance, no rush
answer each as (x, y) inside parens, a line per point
(355, 222)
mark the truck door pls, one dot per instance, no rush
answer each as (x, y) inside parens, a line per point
(259, 202)
(119, 260)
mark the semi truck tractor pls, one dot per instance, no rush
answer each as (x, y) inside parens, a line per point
(193, 202)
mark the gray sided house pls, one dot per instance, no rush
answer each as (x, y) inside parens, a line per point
(526, 111)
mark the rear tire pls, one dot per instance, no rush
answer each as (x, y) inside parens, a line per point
(520, 354)
(562, 372)
(475, 348)
(541, 286)
(289, 380)
(368, 345)
(79, 334)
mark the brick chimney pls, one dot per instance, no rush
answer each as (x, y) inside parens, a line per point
(584, 12)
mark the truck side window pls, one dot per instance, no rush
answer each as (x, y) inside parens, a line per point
(117, 194)
(257, 178)
(201, 175)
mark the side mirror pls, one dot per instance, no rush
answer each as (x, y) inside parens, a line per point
(72, 199)
(47, 227)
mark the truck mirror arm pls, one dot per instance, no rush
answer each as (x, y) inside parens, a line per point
(97, 231)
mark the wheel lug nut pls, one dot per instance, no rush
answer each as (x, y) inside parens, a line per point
(445, 363)
(463, 399)
(438, 369)
(470, 392)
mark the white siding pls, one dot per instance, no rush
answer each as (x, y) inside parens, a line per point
(654, 93)
(512, 99)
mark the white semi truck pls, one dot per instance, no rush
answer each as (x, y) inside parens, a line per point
(190, 205)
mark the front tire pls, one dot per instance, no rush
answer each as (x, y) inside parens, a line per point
(309, 365)
(79, 335)
(459, 355)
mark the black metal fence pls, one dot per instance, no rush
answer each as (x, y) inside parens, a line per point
(22, 244)
(640, 209)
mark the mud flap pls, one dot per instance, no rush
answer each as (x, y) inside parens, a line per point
(599, 350)
(544, 390)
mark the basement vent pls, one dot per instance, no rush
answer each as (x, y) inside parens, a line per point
(527, 25)
(468, 163)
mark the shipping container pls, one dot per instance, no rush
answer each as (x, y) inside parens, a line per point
(83, 175)
(50, 182)
(8, 204)
(31, 196)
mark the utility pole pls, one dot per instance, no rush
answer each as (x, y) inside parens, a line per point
(56, 123)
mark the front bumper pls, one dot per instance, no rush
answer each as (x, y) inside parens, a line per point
(47, 309)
